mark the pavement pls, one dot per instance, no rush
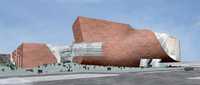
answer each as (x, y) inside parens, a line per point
(134, 78)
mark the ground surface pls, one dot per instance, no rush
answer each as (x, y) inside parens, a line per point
(160, 78)
(139, 78)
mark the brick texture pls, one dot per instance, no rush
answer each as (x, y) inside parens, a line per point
(29, 55)
(122, 44)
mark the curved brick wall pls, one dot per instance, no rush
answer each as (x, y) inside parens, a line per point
(122, 44)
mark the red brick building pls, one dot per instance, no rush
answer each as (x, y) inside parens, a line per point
(29, 55)
(122, 44)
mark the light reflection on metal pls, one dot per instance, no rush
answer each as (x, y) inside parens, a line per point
(87, 49)
(67, 52)
(150, 62)
(170, 45)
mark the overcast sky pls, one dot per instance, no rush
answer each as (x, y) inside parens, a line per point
(50, 21)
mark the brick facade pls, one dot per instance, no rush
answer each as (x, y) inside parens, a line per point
(122, 44)
(29, 55)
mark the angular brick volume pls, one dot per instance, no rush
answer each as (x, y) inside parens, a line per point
(29, 55)
(122, 44)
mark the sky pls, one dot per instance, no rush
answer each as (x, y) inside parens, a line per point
(50, 21)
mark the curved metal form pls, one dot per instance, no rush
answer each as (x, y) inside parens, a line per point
(66, 52)
(87, 49)
(170, 45)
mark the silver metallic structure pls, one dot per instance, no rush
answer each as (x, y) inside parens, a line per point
(66, 52)
(170, 45)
